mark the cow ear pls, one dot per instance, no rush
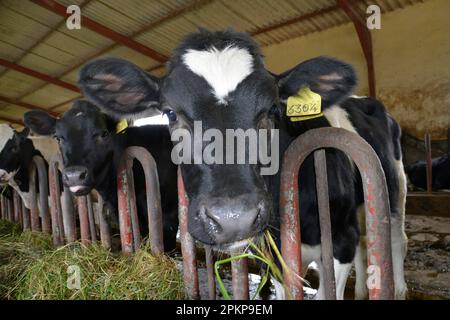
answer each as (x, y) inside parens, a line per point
(332, 79)
(24, 133)
(120, 88)
(40, 122)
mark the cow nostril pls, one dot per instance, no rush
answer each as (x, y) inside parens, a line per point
(83, 175)
(210, 220)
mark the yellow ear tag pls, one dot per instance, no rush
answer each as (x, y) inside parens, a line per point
(305, 105)
(121, 125)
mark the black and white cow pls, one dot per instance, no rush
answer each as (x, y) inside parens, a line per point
(220, 79)
(91, 150)
(440, 166)
(16, 154)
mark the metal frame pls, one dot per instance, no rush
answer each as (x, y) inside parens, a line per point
(376, 206)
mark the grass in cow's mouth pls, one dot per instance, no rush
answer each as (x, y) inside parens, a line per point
(30, 268)
(264, 249)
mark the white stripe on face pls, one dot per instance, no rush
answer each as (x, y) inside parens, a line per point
(6, 134)
(223, 70)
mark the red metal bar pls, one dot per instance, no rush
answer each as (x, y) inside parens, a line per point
(209, 257)
(379, 255)
(429, 167)
(190, 274)
(104, 31)
(320, 165)
(26, 106)
(126, 232)
(153, 197)
(38, 75)
(239, 275)
(63, 221)
(11, 120)
(84, 219)
(365, 38)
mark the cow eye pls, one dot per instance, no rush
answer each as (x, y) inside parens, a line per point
(171, 115)
(274, 110)
(104, 134)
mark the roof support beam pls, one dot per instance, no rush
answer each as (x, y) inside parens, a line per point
(10, 120)
(25, 105)
(60, 9)
(365, 38)
(38, 75)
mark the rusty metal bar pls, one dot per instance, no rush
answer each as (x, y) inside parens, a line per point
(84, 219)
(323, 203)
(2, 208)
(90, 206)
(34, 210)
(126, 232)
(209, 257)
(128, 204)
(239, 275)
(429, 163)
(38, 165)
(190, 274)
(63, 222)
(10, 206)
(376, 204)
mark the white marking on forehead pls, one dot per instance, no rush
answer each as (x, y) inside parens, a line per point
(6, 134)
(223, 70)
(79, 114)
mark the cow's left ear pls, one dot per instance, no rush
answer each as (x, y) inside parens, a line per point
(24, 133)
(40, 122)
(332, 79)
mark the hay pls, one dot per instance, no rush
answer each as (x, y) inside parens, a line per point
(35, 271)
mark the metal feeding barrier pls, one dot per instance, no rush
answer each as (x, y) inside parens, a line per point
(377, 218)
(376, 206)
(128, 218)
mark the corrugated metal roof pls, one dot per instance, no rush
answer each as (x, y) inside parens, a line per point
(36, 38)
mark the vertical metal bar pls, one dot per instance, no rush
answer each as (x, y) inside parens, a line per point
(17, 208)
(190, 273)
(209, 256)
(34, 211)
(105, 229)
(126, 232)
(429, 166)
(40, 167)
(153, 196)
(55, 208)
(2, 207)
(67, 217)
(84, 219)
(26, 218)
(92, 228)
(239, 275)
(131, 200)
(10, 205)
(320, 165)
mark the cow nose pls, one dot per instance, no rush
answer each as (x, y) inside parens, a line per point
(75, 175)
(230, 220)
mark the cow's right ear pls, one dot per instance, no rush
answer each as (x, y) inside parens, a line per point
(40, 122)
(120, 88)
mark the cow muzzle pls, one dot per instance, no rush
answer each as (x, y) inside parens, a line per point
(229, 221)
(77, 179)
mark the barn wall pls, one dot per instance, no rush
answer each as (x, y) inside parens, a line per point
(412, 63)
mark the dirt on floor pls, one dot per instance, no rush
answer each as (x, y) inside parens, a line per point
(427, 265)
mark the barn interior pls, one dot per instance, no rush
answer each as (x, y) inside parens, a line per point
(405, 64)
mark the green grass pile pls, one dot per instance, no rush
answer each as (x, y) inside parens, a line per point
(31, 269)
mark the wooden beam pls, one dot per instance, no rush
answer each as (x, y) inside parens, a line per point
(25, 105)
(103, 30)
(38, 75)
(10, 120)
(365, 38)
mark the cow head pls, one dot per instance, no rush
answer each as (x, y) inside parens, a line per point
(86, 139)
(14, 147)
(219, 79)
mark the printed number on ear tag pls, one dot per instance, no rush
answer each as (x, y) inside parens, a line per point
(306, 104)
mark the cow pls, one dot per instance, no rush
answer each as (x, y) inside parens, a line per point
(91, 149)
(16, 153)
(440, 168)
(219, 78)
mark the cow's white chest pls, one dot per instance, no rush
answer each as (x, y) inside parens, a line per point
(222, 69)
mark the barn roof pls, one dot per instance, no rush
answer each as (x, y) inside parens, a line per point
(40, 57)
